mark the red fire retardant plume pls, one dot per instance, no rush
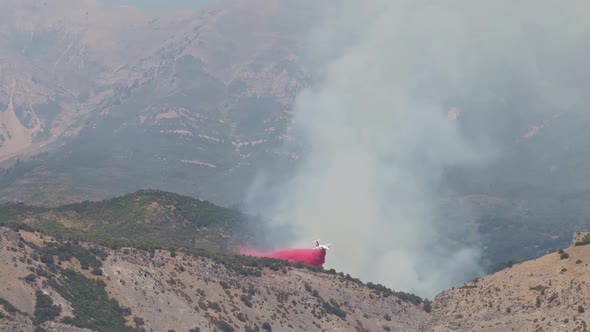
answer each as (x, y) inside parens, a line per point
(315, 257)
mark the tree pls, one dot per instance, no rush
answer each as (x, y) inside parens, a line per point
(44, 308)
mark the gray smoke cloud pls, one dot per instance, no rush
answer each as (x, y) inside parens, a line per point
(378, 134)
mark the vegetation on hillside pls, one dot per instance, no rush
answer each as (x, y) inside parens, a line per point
(585, 240)
(8, 307)
(148, 220)
(144, 219)
(158, 206)
(44, 308)
(93, 308)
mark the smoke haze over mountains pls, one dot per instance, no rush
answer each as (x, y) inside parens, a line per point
(404, 92)
(430, 142)
(160, 5)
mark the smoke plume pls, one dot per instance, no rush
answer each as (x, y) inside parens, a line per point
(406, 89)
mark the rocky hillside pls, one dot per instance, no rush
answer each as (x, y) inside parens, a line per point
(127, 264)
(51, 285)
(550, 293)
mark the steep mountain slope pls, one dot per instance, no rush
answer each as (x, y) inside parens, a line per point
(71, 285)
(168, 265)
(549, 293)
(148, 98)
(58, 285)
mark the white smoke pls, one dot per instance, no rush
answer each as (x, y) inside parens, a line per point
(377, 132)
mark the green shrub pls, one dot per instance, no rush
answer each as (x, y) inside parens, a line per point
(539, 288)
(247, 300)
(65, 252)
(333, 309)
(225, 326)
(93, 308)
(47, 259)
(8, 306)
(44, 308)
(214, 305)
(585, 241)
(138, 321)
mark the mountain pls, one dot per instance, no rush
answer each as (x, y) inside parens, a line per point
(171, 6)
(98, 101)
(145, 219)
(192, 102)
(159, 261)
(549, 293)
(64, 279)
(53, 285)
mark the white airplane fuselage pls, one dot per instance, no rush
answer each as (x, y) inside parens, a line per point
(319, 246)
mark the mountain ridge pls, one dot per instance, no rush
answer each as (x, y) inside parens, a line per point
(194, 79)
(146, 219)
(520, 297)
(204, 293)
(547, 293)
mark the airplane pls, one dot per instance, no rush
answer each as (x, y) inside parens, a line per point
(321, 246)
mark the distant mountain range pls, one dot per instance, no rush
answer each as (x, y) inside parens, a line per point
(97, 101)
(193, 102)
(162, 6)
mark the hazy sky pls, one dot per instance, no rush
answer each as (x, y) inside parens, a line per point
(161, 5)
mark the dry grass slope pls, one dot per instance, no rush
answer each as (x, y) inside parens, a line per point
(161, 291)
(550, 293)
